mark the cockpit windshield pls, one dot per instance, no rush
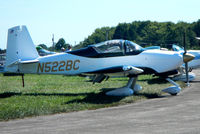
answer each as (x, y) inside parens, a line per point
(176, 48)
(118, 46)
(131, 47)
(112, 46)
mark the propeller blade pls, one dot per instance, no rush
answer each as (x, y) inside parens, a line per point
(186, 71)
(186, 58)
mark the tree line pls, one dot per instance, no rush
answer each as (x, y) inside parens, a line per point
(57, 46)
(147, 33)
(61, 43)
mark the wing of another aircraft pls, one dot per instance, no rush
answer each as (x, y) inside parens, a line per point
(2, 69)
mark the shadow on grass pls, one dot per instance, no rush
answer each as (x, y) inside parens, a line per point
(92, 98)
(101, 98)
(195, 81)
(155, 81)
(150, 95)
(9, 94)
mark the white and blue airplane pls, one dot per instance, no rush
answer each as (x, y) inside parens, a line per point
(194, 64)
(109, 58)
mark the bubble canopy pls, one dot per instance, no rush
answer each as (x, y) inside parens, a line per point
(116, 46)
(111, 48)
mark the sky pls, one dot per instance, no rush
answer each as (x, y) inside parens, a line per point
(75, 20)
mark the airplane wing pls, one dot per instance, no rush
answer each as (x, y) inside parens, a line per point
(102, 74)
(119, 69)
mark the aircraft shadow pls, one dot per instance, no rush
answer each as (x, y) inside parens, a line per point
(97, 98)
(92, 98)
(155, 81)
(101, 98)
(195, 81)
(10, 94)
(150, 95)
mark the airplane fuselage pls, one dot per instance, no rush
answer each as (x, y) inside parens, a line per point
(69, 64)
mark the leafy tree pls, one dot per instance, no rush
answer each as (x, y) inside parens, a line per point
(169, 36)
(121, 31)
(99, 35)
(43, 46)
(61, 43)
(132, 32)
(196, 28)
(190, 34)
(147, 32)
(2, 51)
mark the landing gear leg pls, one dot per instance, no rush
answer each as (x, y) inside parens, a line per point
(126, 90)
(173, 90)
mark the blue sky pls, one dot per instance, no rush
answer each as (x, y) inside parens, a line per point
(74, 20)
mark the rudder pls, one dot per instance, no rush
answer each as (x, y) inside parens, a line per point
(20, 47)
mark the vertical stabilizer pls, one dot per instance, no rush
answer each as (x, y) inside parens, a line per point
(20, 47)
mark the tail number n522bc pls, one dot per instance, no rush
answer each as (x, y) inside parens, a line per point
(58, 66)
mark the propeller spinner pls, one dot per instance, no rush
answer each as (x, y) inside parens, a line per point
(187, 57)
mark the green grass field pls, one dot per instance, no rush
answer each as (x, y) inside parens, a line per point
(50, 94)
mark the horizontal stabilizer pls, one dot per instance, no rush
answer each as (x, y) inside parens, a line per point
(20, 49)
(23, 62)
(29, 61)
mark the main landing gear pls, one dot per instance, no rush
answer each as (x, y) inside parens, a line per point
(132, 87)
(173, 90)
(127, 90)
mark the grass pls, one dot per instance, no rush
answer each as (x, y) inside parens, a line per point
(50, 94)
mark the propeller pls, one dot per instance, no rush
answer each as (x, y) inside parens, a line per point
(186, 58)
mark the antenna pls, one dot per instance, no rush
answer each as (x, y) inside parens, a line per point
(53, 44)
(107, 32)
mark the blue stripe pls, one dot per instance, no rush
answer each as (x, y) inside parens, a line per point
(197, 57)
